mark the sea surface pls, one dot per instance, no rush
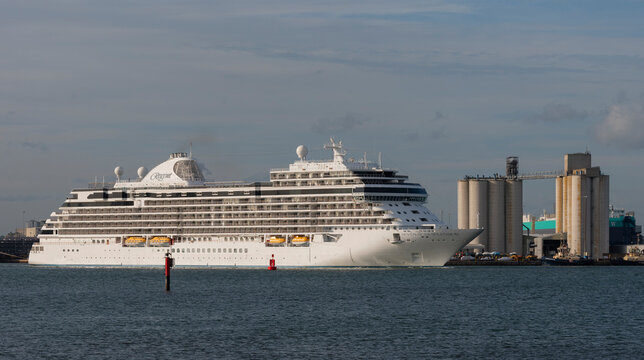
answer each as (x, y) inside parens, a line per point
(450, 312)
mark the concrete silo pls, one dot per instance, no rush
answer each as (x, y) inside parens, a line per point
(514, 216)
(604, 220)
(574, 233)
(463, 204)
(568, 205)
(496, 215)
(559, 191)
(596, 228)
(478, 209)
(580, 216)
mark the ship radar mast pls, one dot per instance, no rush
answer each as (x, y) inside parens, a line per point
(338, 151)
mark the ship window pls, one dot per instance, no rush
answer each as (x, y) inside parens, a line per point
(235, 250)
(245, 250)
(188, 170)
(218, 250)
(423, 219)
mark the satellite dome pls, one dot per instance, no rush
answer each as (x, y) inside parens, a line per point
(118, 171)
(301, 152)
(142, 171)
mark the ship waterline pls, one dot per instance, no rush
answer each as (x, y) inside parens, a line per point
(313, 214)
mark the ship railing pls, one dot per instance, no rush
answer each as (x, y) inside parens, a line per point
(234, 184)
(101, 185)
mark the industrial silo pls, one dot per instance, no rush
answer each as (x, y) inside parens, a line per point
(568, 204)
(574, 234)
(514, 216)
(496, 215)
(586, 208)
(478, 209)
(596, 222)
(463, 204)
(559, 204)
(604, 181)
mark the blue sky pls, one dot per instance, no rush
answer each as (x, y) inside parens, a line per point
(441, 88)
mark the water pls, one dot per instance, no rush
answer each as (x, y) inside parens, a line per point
(460, 312)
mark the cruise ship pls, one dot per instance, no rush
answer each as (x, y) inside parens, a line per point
(335, 213)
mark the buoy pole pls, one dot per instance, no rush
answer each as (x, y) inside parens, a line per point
(271, 263)
(168, 265)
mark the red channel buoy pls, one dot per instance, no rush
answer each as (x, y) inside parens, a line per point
(169, 263)
(271, 263)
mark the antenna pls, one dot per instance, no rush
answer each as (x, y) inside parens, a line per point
(190, 156)
(338, 152)
(380, 160)
(365, 159)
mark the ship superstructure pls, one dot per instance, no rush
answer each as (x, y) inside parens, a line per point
(315, 213)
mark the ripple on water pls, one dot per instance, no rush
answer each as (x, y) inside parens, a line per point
(484, 312)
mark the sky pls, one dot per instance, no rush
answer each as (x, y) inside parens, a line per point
(443, 89)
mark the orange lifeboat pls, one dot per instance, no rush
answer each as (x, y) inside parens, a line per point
(276, 240)
(300, 240)
(134, 241)
(160, 241)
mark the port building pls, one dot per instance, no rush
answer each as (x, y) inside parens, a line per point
(582, 206)
(495, 203)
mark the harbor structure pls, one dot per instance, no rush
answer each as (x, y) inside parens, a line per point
(581, 208)
(624, 232)
(496, 205)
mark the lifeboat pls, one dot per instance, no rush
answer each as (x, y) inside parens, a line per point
(160, 241)
(299, 240)
(276, 240)
(134, 241)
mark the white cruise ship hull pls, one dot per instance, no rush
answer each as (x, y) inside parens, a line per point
(354, 248)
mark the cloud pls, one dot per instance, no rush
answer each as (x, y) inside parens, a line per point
(623, 126)
(34, 146)
(337, 8)
(414, 136)
(437, 129)
(438, 116)
(23, 198)
(554, 112)
(326, 126)
(438, 132)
